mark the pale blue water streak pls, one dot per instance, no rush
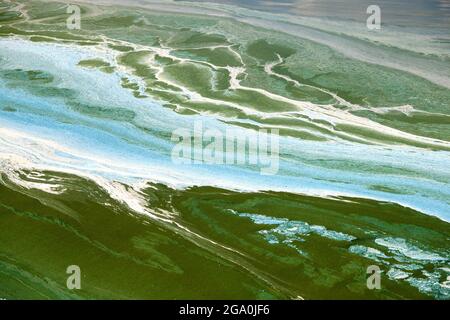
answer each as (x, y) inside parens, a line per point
(127, 146)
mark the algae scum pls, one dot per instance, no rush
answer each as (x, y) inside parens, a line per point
(87, 178)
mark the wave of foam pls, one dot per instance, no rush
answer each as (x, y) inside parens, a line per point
(108, 151)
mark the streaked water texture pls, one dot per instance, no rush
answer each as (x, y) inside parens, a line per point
(87, 178)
